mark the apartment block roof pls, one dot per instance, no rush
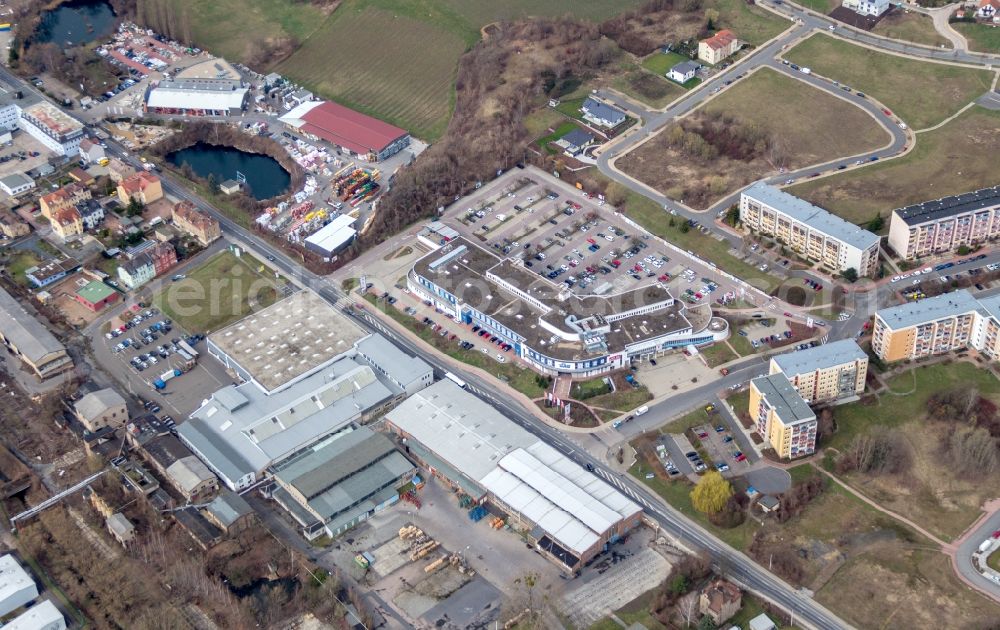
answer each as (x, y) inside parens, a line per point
(784, 398)
(929, 309)
(813, 216)
(819, 358)
(52, 118)
(938, 209)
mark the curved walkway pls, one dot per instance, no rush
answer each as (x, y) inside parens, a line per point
(940, 17)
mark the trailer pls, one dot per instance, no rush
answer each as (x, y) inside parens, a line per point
(161, 382)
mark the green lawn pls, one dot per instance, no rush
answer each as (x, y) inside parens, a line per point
(520, 378)
(717, 354)
(927, 172)
(222, 290)
(741, 344)
(625, 399)
(659, 63)
(645, 87)
(922, 94)
(571, 106)
(541, 120)
(981, 37)
(19, 262)
(751, 23)
(820, 6)
(583, 390)
(913, 388)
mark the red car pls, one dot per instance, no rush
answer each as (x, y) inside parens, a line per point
(592, 241)
(662, 278)
(703, 435)
(886, 112)
(996, 534)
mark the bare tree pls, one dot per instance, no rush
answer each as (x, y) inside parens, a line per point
(687, 606)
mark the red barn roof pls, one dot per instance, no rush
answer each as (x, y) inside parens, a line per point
(347, 128)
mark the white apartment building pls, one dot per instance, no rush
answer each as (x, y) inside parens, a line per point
(808, 230)
(942, 225)
(52, 127)
(938, 325)
(873, 8)
(827, 372)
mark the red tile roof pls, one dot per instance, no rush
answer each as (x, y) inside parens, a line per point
(350, 129)
(993, 3)
(721, 39)
(138, 182)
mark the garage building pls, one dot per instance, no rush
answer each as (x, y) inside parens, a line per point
(30, 340)
(571, 514)
(16, 586)
(351, 131)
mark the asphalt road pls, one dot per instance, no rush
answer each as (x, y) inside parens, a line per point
(963, 555)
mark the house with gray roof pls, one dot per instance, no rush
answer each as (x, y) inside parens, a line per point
(574, 142)
(103, 408)
(601, 114)
(684, 71)
(341, 481)
(29, 339)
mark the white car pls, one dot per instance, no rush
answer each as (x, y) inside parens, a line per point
(501, 358)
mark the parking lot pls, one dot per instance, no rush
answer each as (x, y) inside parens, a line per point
(570, 238)
(150, 347)
(723, 452)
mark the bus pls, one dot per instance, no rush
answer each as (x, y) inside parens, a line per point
(454, 379)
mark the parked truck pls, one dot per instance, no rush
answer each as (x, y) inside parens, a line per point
(161, 382)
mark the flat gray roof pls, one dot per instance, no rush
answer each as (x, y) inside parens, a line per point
(242, 430)
(780, 394)
(400, 366)
(343, 470)
(16, 179)
(288, 339)
(814, 216)
(29, 335)
(228, 507)
(929, 309)
(821, 357)
(937, 209)
(459, 428)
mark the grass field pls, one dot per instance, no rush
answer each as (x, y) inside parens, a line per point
(646, 88)
(385, 77)
(217, 293)
(753, 24)
(804, 125)
(717, 354)
(922, 94)
(931, 493)
(820, 6)
(19, 262)
(933, 169)
(559, 131)
(813, 125)
(910, 27)
(623, 400)
(981, 37)
(993, 561)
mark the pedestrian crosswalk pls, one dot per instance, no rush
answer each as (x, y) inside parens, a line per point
(621, 485)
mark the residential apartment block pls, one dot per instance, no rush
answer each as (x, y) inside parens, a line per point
(195, 222)
(938, 325)
(945, 224)
(782, 417)
(809, 230)
(67, 223)
(142, 186)
(827, 372)
(65, 197)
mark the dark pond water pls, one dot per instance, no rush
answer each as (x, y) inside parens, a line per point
(76, 22)
(265, 178)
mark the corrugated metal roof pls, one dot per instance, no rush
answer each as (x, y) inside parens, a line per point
(343, 127)
(29, 335)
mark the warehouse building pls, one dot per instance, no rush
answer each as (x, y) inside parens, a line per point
(16, 184)
(569, 513)
(332, 238)
(285, 342)
(198, 97)
(16, 586)
(410, 374)
(28, 339)
(782, 417)
(352, 132)
(943, 225)
(57, 130)
(341, 481)
(809, 230)
(831, 371)
(551, 328)
(44, 616)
